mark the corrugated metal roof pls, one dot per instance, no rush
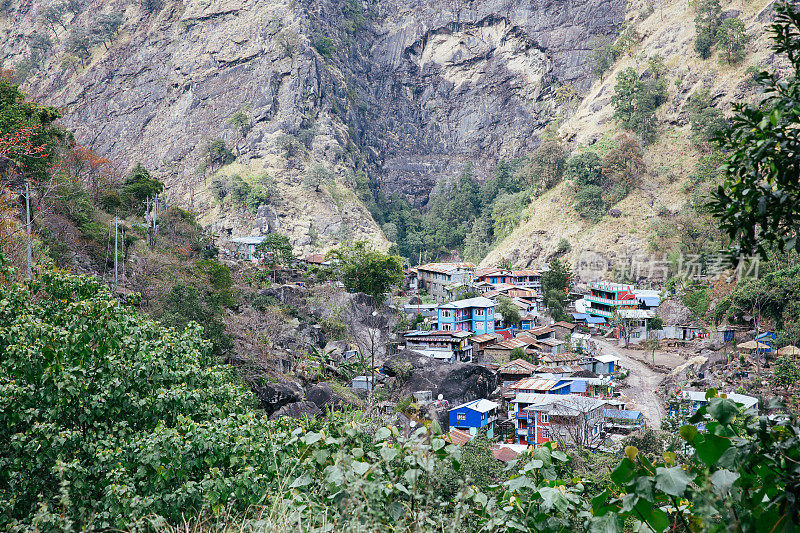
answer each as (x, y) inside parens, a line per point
(534, 383)
(480, 301)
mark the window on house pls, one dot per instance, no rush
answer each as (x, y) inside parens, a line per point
(446, 327)
(635, 335)
(545, 433)
(545, 419)
(479, 312)
(445, 313)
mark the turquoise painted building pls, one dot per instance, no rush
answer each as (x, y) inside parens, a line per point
(473, 314)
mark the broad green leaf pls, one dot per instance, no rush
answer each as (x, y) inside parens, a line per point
(383, 434)
(302, 481)
(688, 432)
(360, 467)
(388, 453)
(710, 447)
(623, 473)
(723, 410)
(724, 479)
(672, 481)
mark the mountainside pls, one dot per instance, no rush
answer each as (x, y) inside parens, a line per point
(395, 95)
(630, 240)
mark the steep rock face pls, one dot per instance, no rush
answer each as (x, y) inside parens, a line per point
(474, 81)
(406, 90)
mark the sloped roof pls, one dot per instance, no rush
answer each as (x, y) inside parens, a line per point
(518, 273)
(510, 344)
(517, 366)
(607, 358)
(622, 413)
(566, 403)
(504, 454)
(315, 258)
(484, 337)
(535, 383)
(446, 268)
(479, 301)
(481, 406)
(458, 437)
(562, 324)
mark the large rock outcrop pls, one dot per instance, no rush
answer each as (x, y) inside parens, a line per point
(457, 383)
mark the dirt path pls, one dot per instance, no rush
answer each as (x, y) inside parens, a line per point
(641, 392)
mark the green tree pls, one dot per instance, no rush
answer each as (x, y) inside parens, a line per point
(138, 186)
(217, 154)
(79, 44)
(509, 310)
(705, 118)
(786, 372)
(105, 28)
(555, 285)
(316, 176)
(366, 270)
(585, 169)
(707, 23)
(589, 202)
(732, 38)
(546, 165)
(636, 100)
(276, 250)
(759, 202)
(623, 166)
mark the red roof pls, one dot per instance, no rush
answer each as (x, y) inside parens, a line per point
(518, 273)
(458, 437)
(563, 324)
(504, 454)
(317, 259)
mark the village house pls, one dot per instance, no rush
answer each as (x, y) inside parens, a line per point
(474, 415)
(623, 421)
(480, 342)
(494, 276)
(635, 325)
(601, 364)
(689, 401)
(563, 330)
(316, 260)
(529, 279)
(435, 277)
(500, 352)
(450, 346)
(559, 359)
(605, 299)
(569, 419)
(681, 332)
(515, 370)
(426, 310)
(244, 248)
(473, 314)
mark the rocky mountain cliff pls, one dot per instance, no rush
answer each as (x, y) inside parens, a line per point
(404, 92)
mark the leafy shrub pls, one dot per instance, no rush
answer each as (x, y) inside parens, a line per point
(705, 118)
(322, 44)
(585, 168)
(732, 39)
(636, 99)
(707, 23)
(589, 202)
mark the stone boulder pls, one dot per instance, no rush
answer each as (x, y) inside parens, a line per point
(275, 395)
(298, 410)
(324, 396)
(457, 382)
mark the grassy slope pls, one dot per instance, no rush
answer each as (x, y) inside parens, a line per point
(669, 32)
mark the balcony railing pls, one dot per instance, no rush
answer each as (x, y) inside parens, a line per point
(607, 301)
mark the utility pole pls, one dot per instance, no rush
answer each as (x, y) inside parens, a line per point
(147, 219)
(28, 228)
(123, 255)
(116, 251)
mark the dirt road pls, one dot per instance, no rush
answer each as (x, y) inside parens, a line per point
(641, 392)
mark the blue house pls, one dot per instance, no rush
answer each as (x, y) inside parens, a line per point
(473, 314)
(766, 338)
(474, 415)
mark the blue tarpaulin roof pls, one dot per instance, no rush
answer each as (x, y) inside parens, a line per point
(766, 334)
(579, 316)
(595, 320)
(628, 415)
